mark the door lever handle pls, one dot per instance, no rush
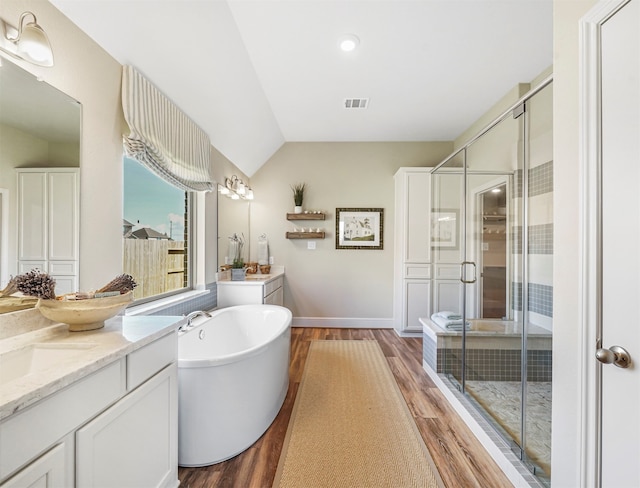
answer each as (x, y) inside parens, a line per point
(616, 355)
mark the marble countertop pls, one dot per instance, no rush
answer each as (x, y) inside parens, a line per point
(251, 279)
(90, 351)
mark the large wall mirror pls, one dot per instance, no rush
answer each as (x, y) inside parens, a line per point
(39, 136)
(233, 218)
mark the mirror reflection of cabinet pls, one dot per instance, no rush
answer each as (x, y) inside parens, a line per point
(39, 127)
(48, 224)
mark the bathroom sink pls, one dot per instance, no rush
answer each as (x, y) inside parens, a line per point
(37, 358)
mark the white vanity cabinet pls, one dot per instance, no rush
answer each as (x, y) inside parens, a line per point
(412, 253)
(133, 435)
(48, 224)
(252, 291)
(115, 427)
(48, 471)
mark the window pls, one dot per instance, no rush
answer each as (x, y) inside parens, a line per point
(155, 230)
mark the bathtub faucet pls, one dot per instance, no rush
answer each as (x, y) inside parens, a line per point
(190, 317)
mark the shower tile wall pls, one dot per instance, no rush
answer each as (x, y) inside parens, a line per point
(540, 242)
(541, 179)
(496, 364)
(540, 298)
(489, 363)
(430, 353)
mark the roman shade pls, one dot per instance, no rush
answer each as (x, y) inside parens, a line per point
(162, 137)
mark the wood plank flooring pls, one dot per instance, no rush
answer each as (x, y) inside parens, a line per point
(460, 458)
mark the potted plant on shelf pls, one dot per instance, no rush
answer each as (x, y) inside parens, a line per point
(298, 196)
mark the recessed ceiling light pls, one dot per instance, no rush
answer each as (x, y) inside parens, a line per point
(349, 42)
(496, 190)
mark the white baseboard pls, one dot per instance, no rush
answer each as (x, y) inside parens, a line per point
(342, 323)
(412, 333)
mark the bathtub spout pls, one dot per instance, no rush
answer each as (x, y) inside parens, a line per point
(187, 325)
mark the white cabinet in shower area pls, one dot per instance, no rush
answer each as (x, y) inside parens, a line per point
(412, 259)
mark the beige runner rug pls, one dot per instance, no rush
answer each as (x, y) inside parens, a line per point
(350, 426)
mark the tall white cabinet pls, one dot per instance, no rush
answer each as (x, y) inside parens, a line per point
(48, 224)
(412, 254)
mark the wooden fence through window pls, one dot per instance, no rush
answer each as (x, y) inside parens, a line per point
(158, 266)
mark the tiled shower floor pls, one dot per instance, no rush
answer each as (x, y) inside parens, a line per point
(501, 399)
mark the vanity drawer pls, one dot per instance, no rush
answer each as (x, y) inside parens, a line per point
(272, 286)
(52, 418)
(148, 360)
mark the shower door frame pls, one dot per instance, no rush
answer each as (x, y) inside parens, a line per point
(516, 110)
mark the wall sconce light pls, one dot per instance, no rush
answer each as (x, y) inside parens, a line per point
(236, 189)
(28, 42)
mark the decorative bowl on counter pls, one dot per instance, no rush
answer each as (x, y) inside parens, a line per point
(82, 315)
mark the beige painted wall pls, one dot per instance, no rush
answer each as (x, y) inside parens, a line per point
(566, 420)
(500, 107)
(327, 283)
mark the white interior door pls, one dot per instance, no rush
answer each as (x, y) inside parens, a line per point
(620, 241)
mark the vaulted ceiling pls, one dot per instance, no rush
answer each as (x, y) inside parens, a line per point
(256, 74)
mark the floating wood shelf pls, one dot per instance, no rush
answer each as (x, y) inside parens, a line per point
(305, 235)
(305, 216)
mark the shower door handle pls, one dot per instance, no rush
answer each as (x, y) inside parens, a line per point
(462, 273)
(616, 355)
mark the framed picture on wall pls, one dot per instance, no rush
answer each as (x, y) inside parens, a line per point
(444, 228)
(359, 228)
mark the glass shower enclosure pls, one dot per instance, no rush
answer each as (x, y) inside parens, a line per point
(492, 249)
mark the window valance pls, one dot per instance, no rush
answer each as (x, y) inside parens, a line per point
(162, 137)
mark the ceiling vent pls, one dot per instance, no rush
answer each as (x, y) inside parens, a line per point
(356, 102)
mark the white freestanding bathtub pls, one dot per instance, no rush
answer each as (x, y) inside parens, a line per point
(233, 376)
